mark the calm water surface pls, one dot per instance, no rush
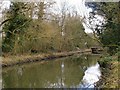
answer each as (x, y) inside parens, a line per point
(78, 71)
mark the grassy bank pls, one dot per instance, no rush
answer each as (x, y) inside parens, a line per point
(110, 73)
(11, 60)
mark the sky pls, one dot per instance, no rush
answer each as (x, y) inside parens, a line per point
(4, 4)
(81, 9)
(79, 6)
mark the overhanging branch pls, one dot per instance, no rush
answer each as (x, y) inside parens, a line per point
(5, 22)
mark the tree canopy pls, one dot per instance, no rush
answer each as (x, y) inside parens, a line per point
(109, 33)
(30, 26)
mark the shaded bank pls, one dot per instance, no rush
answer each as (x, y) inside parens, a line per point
(21, 59)
(110, 72)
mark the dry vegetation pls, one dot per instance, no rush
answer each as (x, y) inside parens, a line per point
(110, 72)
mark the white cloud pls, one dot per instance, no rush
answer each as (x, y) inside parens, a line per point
(5, 4)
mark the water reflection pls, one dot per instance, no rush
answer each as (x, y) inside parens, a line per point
(70, 72)
(92, 75)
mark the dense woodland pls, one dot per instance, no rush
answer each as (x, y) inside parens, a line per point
(43, 28)
(109, 34)
(34, 27)
(29, 27)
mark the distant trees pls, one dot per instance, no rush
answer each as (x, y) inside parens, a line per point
(33, 26)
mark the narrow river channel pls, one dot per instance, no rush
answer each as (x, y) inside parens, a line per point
(78, 71)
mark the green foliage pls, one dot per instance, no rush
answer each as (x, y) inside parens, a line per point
(15, 27)
(110, 35)
(24, 34)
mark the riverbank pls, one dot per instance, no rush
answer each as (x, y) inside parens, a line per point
(110, 73)
(11, 60)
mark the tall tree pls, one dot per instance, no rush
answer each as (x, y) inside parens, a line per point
(109, 32)
(15, 26)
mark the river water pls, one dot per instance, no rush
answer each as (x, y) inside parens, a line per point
(78, 71)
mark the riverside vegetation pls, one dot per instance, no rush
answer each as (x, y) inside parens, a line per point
(110, 37)
(29, 29)
(110, 72)
(25, 32)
